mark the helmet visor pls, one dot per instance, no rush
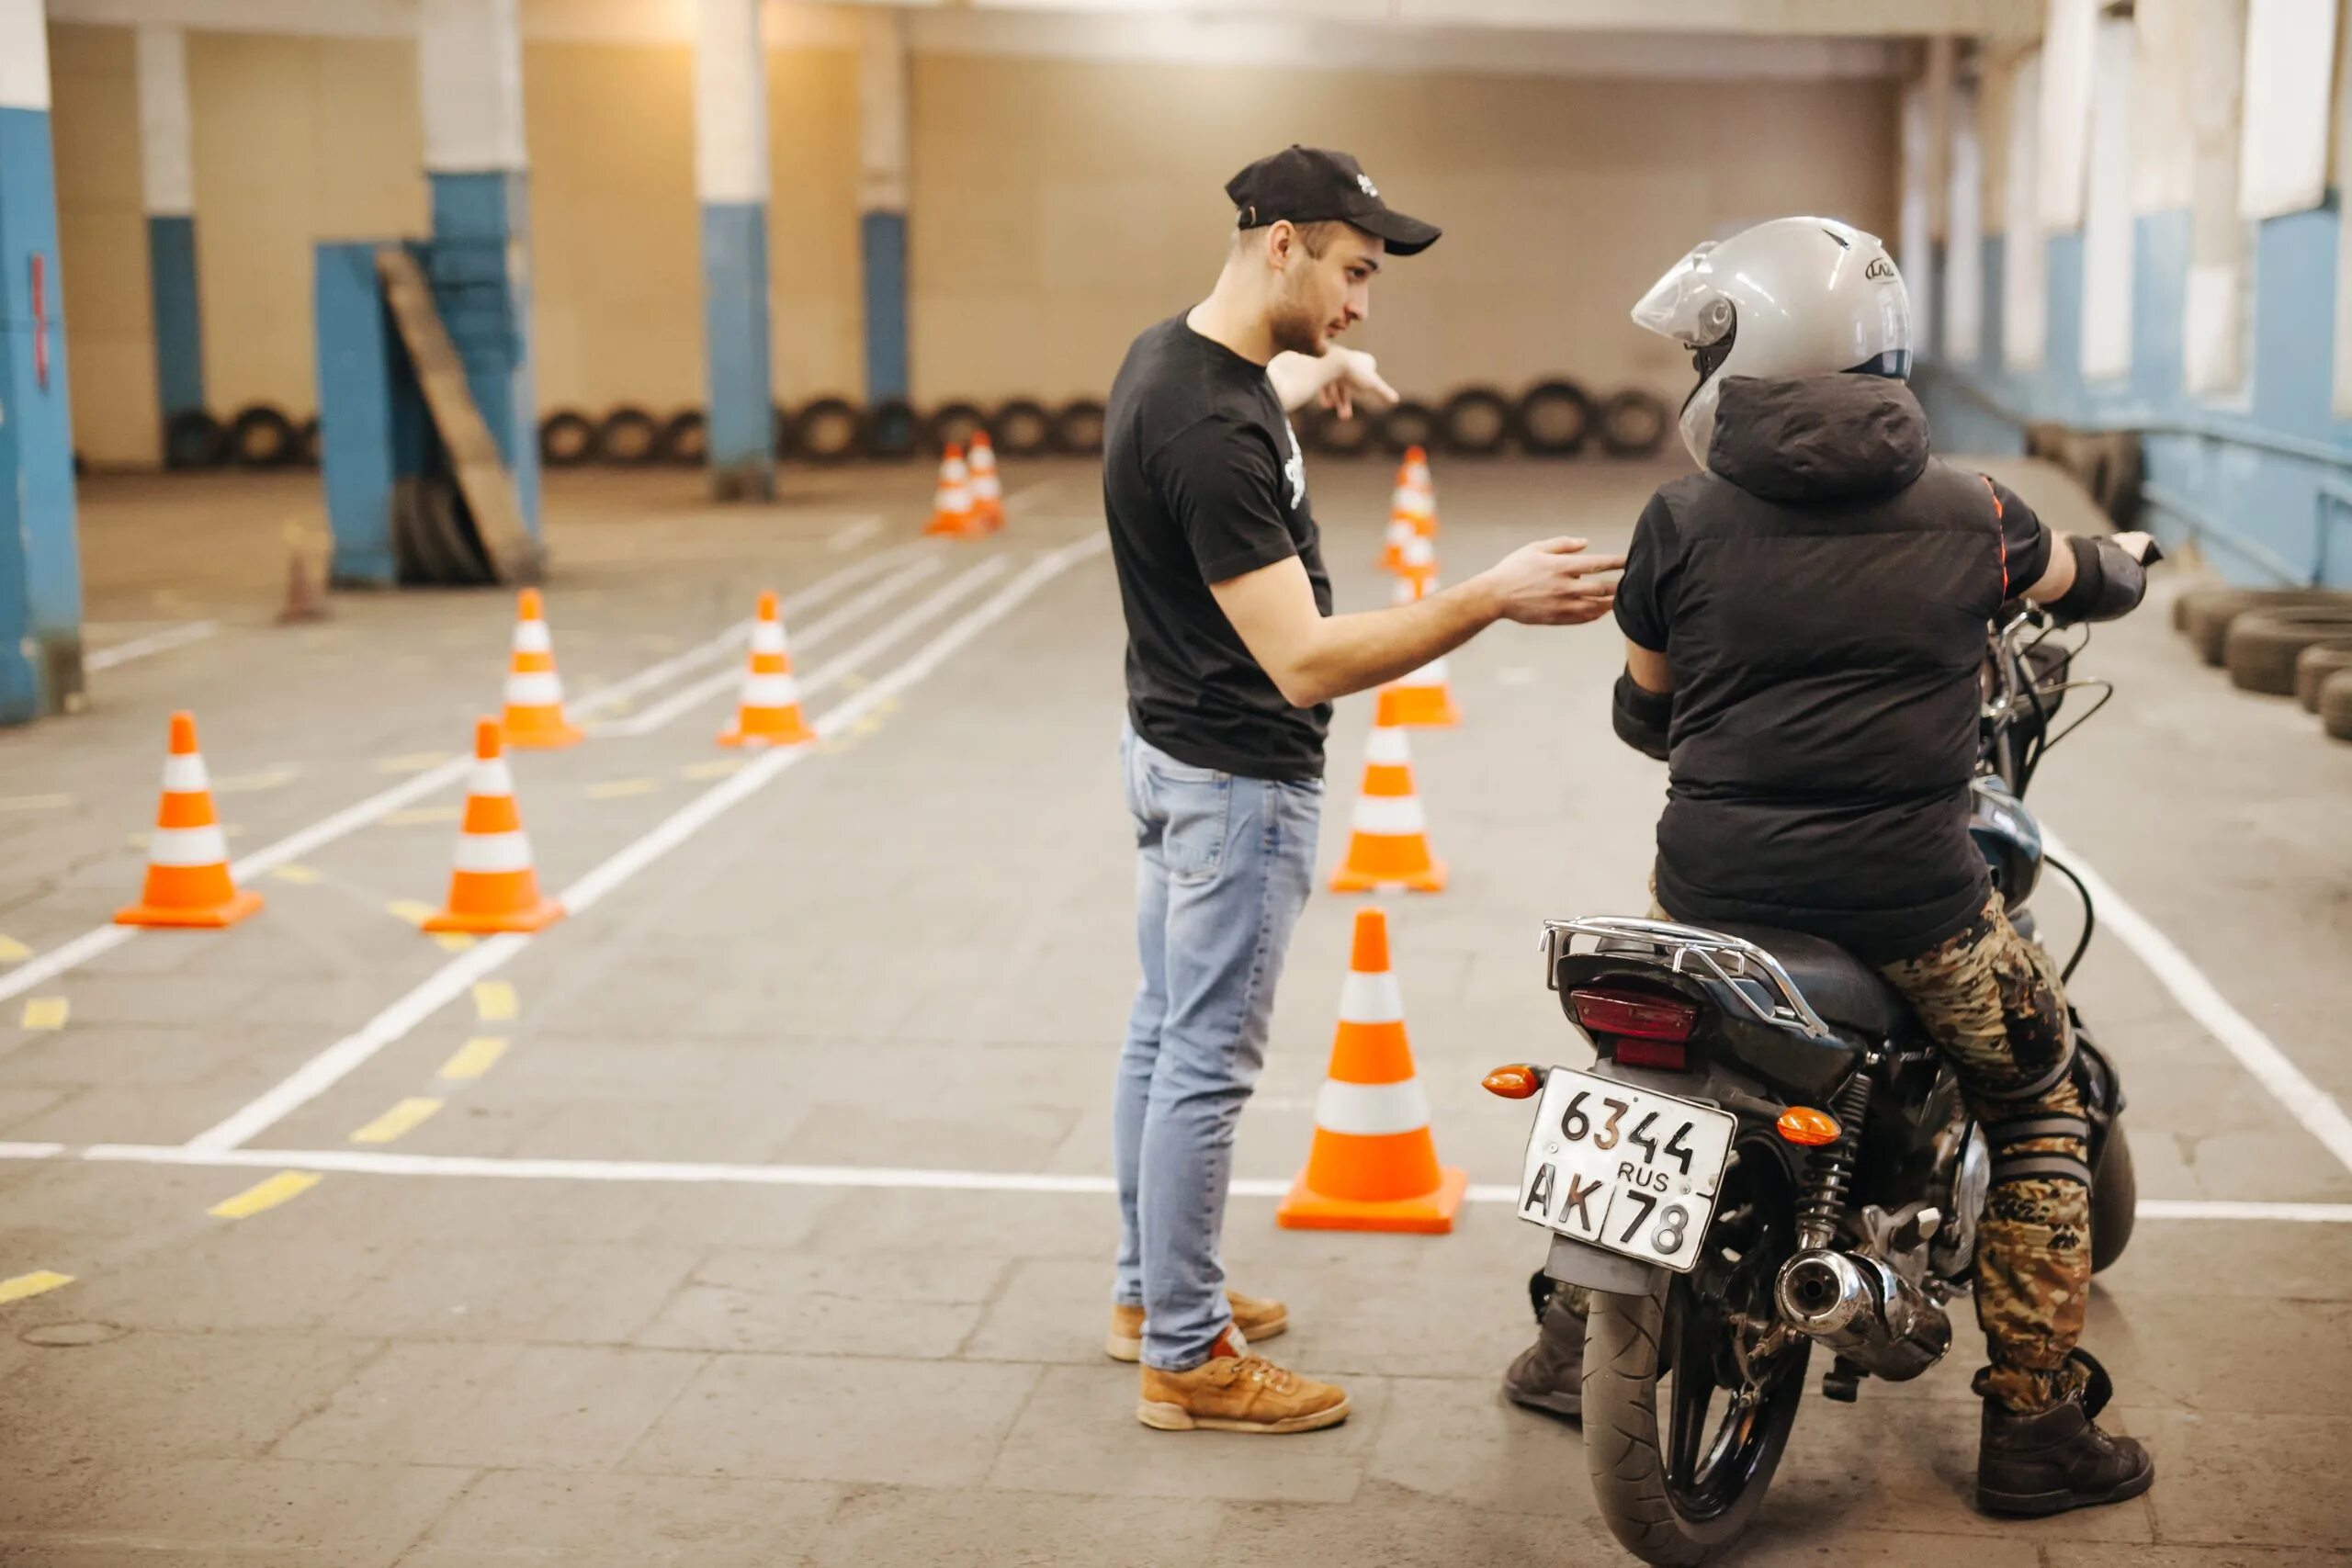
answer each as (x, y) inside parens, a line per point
(1685, 304)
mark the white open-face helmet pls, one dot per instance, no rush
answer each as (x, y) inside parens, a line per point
(1794, 296)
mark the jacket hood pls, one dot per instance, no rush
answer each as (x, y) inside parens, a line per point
(1836, 437)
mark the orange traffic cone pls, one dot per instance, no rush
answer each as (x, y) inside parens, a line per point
(1373, 1165)
(988, 491)
(1418, 566)
(1422, 700)
(187, 858)
(769, 714)
(1401, 526)
(951, 512)
(492, 888)
(1424, 491)
(1388, 844)
(534, 691)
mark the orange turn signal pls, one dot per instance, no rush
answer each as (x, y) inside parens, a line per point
(1812, 1129)
(1518, 1081)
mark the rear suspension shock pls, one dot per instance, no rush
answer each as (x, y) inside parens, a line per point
(1821, 1199)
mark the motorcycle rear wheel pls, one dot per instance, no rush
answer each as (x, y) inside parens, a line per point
(2115, 1198)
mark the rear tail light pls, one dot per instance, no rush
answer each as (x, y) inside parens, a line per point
(1644, 1015)
(1646, 1027)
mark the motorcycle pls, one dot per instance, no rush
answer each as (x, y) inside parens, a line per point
(1768, 1154)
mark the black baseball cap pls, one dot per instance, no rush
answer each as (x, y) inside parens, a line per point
(1314, 185)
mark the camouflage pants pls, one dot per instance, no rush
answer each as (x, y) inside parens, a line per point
(1991, 1000)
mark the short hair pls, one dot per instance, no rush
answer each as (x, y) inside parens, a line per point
(1314, 237)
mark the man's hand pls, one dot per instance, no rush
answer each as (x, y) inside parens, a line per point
(1551, 582)
(1356, 377)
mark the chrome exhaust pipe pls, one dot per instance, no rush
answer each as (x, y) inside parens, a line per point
(1864, 1310)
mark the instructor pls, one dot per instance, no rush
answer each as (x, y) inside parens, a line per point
(1233, 659)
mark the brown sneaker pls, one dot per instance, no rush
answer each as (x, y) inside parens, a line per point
(1234, 1390)
(1257, 1319)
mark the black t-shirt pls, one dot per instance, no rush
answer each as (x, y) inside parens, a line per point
(1202, 482)
(1825, 657)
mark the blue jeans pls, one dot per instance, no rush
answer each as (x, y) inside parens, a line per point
(1221, 868)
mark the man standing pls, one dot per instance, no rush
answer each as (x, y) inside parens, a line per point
(1233, 659)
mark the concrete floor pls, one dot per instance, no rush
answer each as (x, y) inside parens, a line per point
(909, 953)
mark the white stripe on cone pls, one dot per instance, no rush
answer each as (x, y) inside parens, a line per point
(188, 846)
(1372, 998)
(1372, 1109)
(184, 776)
(493, 852)
(767, 637)
(531, 637)
(1389, 816)
(1387, 748)
(490, 776)
(769, 690)
(1429, 674)
(535, 689)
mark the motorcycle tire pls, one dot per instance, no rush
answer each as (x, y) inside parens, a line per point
(893, 431)
(1021, 428)
(1078, 428)
(827, 430)
(1477, 422)
(2262, 646)
(1554, 419)
(2315, 664)
(1635, 424)
(1328, 434)
(2335, 706)
(952, 423)
(1406, 425)
(194, 439)
(1623, 1444)
(685, 439)
(630, 437)
(261, 437)
(568, 440)
(2115, 1198)
(2209, 613)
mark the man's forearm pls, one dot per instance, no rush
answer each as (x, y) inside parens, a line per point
(1299, 378)
(1357, 652)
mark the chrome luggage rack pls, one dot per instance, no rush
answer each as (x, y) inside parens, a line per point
(1688, 949)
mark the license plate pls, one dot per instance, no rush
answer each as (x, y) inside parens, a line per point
(1625, 1169)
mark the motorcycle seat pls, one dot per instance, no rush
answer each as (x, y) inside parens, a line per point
(1839, 985)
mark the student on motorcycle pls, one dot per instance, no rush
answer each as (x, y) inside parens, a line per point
(1805, 624)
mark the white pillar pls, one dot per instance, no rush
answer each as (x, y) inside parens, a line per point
(167, 183)
(882, 196)
(731, 177)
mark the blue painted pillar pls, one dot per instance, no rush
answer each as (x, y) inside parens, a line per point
(471, 52)
(168, 171)
(731, 177)
(40, 570)
(882, 198)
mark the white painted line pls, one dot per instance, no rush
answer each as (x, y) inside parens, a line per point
(297, 845)
(2305, 1101)
(338, 1060)
(854, 535)
(689, 698)
(695, 1173)
(154, 642)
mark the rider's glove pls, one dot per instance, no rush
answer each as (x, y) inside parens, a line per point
(2109, 581)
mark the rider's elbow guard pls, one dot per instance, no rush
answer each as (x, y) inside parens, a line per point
(1640, 716)
(2109, 584)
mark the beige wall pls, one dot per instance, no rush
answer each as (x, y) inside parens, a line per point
(1058, 208)
(102, 243)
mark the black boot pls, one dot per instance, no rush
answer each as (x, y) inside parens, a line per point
(1549, 1374)
(2058, 1459)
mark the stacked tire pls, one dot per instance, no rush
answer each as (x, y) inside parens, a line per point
(2288, 642)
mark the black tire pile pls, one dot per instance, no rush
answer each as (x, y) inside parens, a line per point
(1555, 418)
(259, 435)
(2286, 642)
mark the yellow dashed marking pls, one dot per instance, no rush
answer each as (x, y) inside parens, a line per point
(475, 1057)
(613, 789)
(412, 911)
(419, 816)
(246, 784)
(413, 763)
(280, 1188)
(854, 681)
(407, 1115)
(12, 952)
(46, 1012)
(493, 999)
(866, 724)
(32, 1284)
(452, 941)
(301, 875)
(719, 768)
(34, 803)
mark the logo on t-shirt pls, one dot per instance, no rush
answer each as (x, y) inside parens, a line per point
(1294, 469)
